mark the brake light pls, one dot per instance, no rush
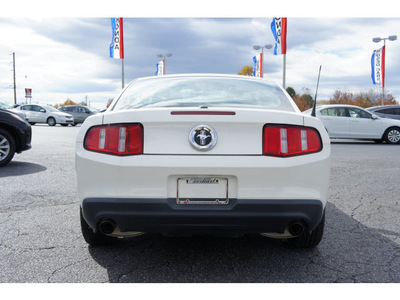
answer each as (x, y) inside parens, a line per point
(285, 140)
(119, 139)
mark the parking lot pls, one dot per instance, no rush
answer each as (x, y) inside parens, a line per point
(40, 238)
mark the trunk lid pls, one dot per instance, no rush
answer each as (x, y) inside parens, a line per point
(238, 131)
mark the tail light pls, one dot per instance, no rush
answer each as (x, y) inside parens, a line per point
(286, 140)
(118, 139)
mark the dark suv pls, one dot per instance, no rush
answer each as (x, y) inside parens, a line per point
(386, 111)
(15, 136)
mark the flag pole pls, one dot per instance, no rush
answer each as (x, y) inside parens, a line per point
(284, 72)
(383, 79)
(123, 74)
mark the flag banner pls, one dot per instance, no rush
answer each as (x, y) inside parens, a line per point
(378, 67)
(257, 70)
(279, 30)
(160, 68)
(117, 44)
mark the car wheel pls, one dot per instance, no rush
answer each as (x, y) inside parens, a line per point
(74, 124)
(92, 238)
(51, 121)
(65, 125)
(32, 123)
(392, 135)
(307, 239)
(7, 147)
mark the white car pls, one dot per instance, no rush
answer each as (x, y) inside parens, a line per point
(353, 122)
(203, 154)
(44, 114)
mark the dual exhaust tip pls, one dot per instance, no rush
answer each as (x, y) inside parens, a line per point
(107, 226)
(296, 228)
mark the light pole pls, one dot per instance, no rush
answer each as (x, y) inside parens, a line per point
(163, 56)
(258, 47)
(377, 40)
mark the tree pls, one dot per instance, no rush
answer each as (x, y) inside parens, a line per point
(247, 71)
(291, 91)
(109, 102)
(363, 99)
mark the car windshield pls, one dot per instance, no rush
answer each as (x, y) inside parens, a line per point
(50, 108)
(203, 91)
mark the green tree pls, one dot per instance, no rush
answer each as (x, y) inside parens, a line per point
(306, 97)
(291, 91)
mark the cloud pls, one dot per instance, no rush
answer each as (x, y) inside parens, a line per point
(63, 58)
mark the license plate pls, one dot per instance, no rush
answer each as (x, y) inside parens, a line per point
(202, 190)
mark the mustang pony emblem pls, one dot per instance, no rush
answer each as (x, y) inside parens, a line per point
(203, 137)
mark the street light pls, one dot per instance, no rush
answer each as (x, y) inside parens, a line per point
(377, 40)
(163, 56)
(258, 47)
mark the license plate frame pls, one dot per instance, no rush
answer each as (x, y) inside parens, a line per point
(197, 190)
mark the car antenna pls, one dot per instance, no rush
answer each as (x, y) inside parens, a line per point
(316, 91)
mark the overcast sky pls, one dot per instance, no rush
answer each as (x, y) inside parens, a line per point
(68, 56)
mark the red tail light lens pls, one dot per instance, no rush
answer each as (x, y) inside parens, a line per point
(285, 140)
(119, 139)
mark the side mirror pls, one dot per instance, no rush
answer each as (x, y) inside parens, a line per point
(374, 117)
(42, 110)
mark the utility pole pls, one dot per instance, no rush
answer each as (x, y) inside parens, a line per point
(15, 86)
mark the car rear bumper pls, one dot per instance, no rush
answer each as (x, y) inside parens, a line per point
(166, 216)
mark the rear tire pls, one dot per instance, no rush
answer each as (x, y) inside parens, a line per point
(92, 238)
(51, 121)
(392, 135)
(307, 239)
(7, 147)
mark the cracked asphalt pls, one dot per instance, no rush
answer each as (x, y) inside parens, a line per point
(40, 239)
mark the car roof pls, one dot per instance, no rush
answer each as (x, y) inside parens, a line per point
(336, 105)
(383, 106)
(209, 75)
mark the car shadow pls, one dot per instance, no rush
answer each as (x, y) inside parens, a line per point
(348, 252)
(18, 168)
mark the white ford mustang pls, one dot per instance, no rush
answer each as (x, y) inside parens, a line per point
(203, 154)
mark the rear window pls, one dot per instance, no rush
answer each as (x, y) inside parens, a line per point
(198, 91)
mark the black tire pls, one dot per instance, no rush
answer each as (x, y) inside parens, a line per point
(65, 125)
(7, 147)
(51, 121)
(32, 123)
(74, 124)
(307, 239)
(392, 135)
(94, 239)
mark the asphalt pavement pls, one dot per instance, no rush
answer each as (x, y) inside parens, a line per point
(40, 237)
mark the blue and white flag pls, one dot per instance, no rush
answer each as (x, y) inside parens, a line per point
(279, 30)
(257, 70)
(160, 68)
(117, 43)
(378, 67)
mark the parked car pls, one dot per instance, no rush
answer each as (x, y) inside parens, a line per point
(4, 106)
(15, 136)
(8, 107)
(203, 154)
(353, 122)
(386, 111)
(80, 113)
(44, 114)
